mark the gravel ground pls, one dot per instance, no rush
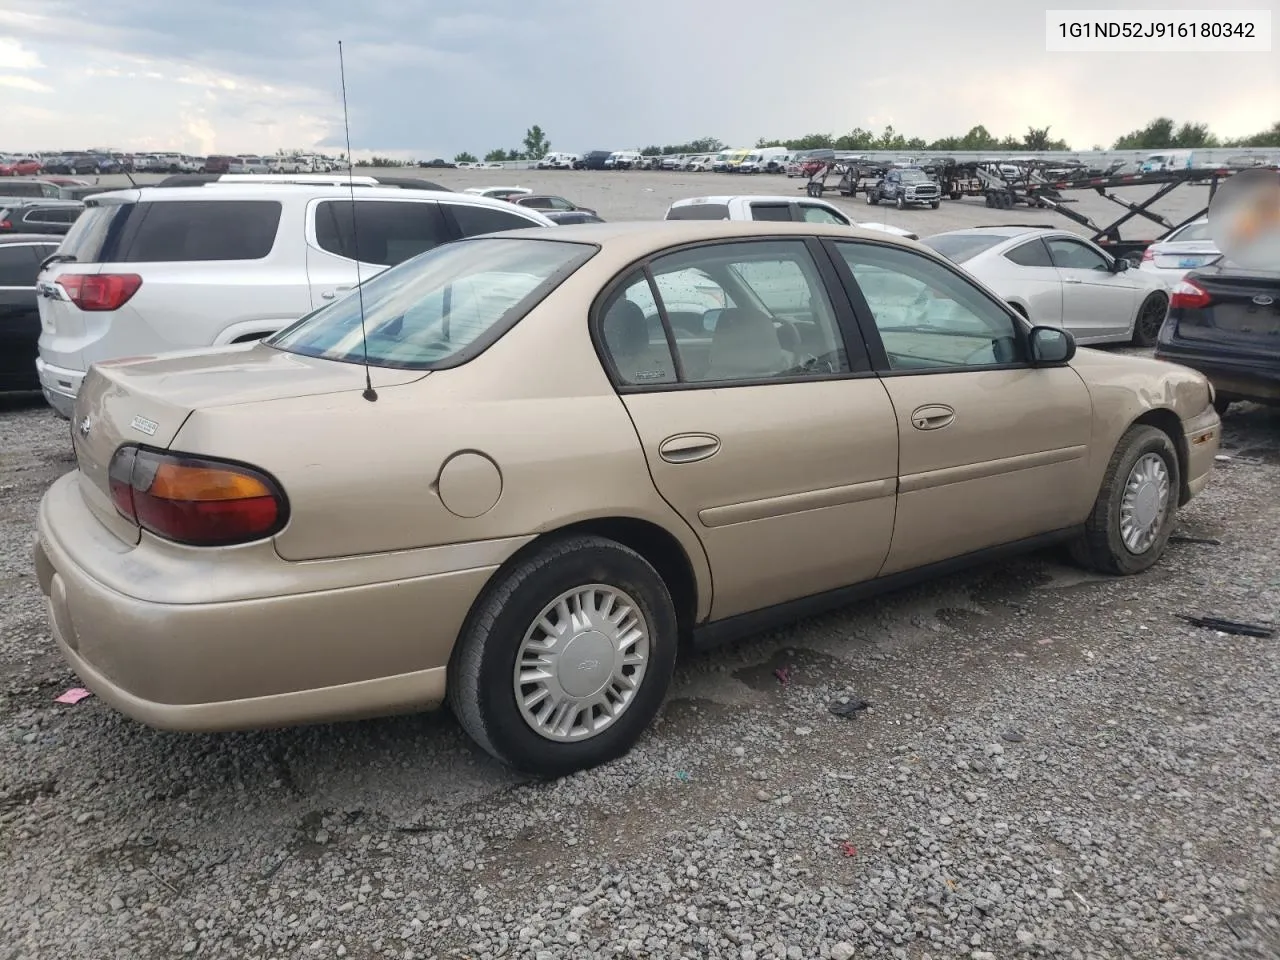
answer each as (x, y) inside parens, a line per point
(1052, 764)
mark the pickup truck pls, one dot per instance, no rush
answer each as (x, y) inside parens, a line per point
(908, 186)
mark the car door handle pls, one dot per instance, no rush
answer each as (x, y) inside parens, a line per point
(688, 447)
(932, 417)
(1072, 280)
(331, 294)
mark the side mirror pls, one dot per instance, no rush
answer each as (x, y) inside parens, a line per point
(1121, 264)
(1051, 346)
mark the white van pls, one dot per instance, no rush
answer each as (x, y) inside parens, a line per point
(624, 160)
(765, 160)
(1169, 160)
(157, 269)
(558, 161)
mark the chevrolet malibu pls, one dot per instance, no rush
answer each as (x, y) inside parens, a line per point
(520, 472)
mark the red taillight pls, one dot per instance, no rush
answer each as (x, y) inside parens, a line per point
(193, 500)
(1148, 255)
(6, 224)
(1189, 295)
(100, 291)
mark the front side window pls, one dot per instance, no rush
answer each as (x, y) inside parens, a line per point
(385, 232)
(927, 316)
(440, 308)
(1074, 255)
(737, 312)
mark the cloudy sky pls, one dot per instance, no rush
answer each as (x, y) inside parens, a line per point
(432, 77)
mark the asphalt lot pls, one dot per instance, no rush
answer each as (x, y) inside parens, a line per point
(646, 195)
(1053, 764)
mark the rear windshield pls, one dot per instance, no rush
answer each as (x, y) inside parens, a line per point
(959, 247)
(440, 308)
(699, 211)
(177, 230)
(1192, 231)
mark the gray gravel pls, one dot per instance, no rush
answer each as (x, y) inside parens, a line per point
(1052, 765)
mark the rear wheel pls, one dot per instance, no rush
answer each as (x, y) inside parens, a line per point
(1133, 515)
(872, 198)
(565, 660)
(1146, 329)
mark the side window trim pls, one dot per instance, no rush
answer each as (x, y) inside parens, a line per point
(1034, 242)
(860, 363)
(677, 363)
(871, 333)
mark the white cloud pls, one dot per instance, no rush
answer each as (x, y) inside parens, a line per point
(19, 82)
(17, 57)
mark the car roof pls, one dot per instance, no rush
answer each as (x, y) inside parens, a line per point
(635, 239)
(11, 202)
(7, 238)
(255, 191)
(768, 198)
(1006, 232)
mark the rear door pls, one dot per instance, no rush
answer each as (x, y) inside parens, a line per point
(1026, 273)
(1096, 301)
(472, 220)
(762, 425)
(346, 248)
(19, 318)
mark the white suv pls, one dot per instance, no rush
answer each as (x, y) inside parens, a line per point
(158, 269)
(784, 209)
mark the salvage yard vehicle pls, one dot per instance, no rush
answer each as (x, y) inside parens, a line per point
(906, 186)
(20, 166)
(499, 193)
(38, 216)
(771, 209)
(536, 547)
(545, 202)
(20, 258)
(175, 267)
(1190, 247)
(1225, 322)
(1056, 278)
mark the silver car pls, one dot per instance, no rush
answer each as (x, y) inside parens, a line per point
(1056, 278)
(1188, 248)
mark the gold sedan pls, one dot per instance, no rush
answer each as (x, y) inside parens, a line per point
(520, 472)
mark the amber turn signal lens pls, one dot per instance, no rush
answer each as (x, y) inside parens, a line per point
(194, 500)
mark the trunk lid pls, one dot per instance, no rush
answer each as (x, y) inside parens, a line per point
(146, 401)
(1244, 310)
(1185, 254)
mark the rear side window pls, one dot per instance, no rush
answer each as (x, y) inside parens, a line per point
(771, 211)
(701, 211)
(18, 265)
(959, 247)
(1032, 254)
(475, 220)
(51, 215)
(174, 231)
(385, 232)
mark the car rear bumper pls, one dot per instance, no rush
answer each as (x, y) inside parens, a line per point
(1234, 375)
(59, 386)
(340, 652)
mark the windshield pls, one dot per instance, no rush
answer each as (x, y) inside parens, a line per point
(441, 306)
(959, 247)
(913, 175)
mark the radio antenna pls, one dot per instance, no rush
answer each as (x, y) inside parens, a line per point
(369, 393)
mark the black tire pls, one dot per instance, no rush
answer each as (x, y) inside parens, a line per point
(936, 204)
(991, 199)
(899, 203)
(872, 198)
(1146, 329)
(1101, 547)
(481, 691)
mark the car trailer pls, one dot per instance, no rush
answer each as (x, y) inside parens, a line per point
(1050, 195)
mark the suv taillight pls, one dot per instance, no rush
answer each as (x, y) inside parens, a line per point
(1189, 295)
(100, 291)
(194, 500)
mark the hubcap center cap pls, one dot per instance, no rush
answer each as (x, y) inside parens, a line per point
(1146, 504)
(585, 664)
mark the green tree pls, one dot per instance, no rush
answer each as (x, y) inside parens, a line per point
(1155, 135)
(1267, 138)
(496, 156)
(464, 157)
(1194, 135)
(1037, 138)
(536, 144)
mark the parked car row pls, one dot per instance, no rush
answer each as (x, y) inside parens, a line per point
(82, 162)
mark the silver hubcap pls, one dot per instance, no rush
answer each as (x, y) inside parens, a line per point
(580, 664)
(1145, 503)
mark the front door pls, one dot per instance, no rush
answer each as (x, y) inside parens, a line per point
(992, 450)
(1097, 302)
(762, 426)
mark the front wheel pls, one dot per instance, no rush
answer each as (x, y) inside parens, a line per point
(1129, 527)
(936, 204)
(1146, 329)
(900, 204)
(565, 660)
